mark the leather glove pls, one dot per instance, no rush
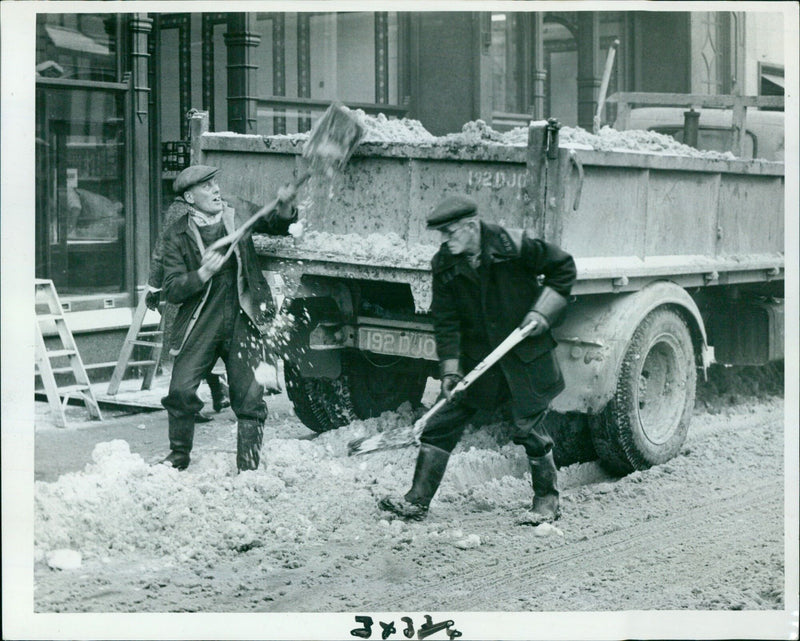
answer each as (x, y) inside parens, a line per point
(449, 381)
(152, 299)
(541, 323)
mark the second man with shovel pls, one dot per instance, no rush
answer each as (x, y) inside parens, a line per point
(487, 281)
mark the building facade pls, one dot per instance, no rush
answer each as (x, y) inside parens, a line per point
(113, 92)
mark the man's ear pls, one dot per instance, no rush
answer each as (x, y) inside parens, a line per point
(188, 197)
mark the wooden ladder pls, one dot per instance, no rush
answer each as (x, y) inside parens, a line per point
(153, 339)
(58, 397)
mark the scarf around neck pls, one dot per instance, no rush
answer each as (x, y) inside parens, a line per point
(204, 220)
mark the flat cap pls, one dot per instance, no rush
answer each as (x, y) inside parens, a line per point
(193, 175)
(451, 209)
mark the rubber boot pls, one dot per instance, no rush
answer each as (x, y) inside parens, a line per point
(431, 464)
(248, 444)
(219, 392)
(544, 479)
(181, 436)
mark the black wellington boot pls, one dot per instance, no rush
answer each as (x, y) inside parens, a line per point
(181, 436)
(431, 464)
(248, 444)
(544, 479)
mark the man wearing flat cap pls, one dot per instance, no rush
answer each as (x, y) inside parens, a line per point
(487, 281)
(178, 208)
(225, 308)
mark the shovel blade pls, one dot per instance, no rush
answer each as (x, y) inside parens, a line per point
(389, 440)
(332, 141)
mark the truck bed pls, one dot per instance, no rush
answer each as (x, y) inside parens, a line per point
(627, 217)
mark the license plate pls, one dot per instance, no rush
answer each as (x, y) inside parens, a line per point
(397, 342)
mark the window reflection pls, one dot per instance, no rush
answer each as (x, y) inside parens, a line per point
(77, 46)
(80, 212)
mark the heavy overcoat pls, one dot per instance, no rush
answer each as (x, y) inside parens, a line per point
(474, 310)
(182, 257)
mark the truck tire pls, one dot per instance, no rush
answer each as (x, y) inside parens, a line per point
(322, 404)
(646, 421)
(380, 385)
(364, 390)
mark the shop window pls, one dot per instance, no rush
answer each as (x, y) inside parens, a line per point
(77, 46)
(561, 54)
(307, 60)
(80, 189)
(507, 53)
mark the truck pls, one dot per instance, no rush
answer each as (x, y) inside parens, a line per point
(680, 263)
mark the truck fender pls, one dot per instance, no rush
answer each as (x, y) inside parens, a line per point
(595, 335)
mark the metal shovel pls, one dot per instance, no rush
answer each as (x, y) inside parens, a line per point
(331, 143)
(391, 439)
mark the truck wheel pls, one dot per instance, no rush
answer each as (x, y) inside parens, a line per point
(646, 421)
(382, 384)
(322, 404)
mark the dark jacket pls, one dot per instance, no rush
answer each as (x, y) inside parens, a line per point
(473, 311)
(177, 208)
(182, 258)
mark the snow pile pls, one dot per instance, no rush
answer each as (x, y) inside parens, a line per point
(400, 130)
(635, 140)
(383, 249)
(380, 129)
(120, 504)
(388, 248)
(607, 139)
(377, 129)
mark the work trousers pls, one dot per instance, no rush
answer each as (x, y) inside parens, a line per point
(530, 386)
(222, 331)
(445, 429)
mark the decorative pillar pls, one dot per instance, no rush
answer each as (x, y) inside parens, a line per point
(208, 67)
(241, 41)
(588, 80)
(279, 69)
(304, 65)
(381, 57)
(140, 27)
(185, 66)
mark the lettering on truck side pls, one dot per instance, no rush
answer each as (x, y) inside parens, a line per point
(497, 179)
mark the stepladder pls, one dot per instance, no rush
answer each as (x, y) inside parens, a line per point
(62, 348)
(153, 340)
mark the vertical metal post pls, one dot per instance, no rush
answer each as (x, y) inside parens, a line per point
(156, 182)
(132, 264)
(588, 82)
(241, 41)
(738, 115)
(691, 120)
(538, 71)
(198, 125)
(140, 28)
(535, 190)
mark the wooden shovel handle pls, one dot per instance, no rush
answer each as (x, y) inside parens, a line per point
(235, 236)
